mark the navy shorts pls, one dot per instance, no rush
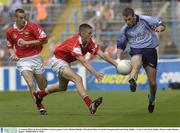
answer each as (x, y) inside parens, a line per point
(149, 56)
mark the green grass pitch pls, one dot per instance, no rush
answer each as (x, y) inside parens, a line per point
(66, 109)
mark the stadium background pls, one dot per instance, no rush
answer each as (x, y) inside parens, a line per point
(120, 107)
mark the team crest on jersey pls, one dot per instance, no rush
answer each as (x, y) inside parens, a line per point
(26, 34)
(14, 36)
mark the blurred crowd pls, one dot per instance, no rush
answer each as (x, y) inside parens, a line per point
(104, 16)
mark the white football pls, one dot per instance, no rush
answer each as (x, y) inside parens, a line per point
(124, 67)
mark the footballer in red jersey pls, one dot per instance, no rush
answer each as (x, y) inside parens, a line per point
(71, 50)
(26, 41)
(73, 47)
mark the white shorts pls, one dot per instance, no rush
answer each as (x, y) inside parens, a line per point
(57, 65)
(32, 63)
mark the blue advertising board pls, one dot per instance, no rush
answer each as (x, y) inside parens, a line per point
(11, 79)
(168, 71)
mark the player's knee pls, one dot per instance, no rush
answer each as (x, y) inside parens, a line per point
(62, 89)
(136, 66)
(43, 86)
(152, 84)
(77, 79)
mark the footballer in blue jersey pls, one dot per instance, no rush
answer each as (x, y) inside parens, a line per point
(139, 33)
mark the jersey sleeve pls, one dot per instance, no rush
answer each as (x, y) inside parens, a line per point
(9, 41)
(152, 21)
(122, 39)
(39, 33)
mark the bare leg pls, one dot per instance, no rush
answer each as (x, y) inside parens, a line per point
(41, 81)
(151, 74)
(69, 74)
(136, 61)
(28, 76)
(63, 82)
(62, 86)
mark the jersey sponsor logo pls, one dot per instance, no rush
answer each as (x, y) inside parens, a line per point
(42, 34)
(26, 34)
(77, 50)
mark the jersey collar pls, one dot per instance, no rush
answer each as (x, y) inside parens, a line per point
(15, 26)
(80, 40)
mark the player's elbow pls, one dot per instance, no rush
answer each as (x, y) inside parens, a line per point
(162, 27)
(121, 45)
(84, 62)
(43, 40)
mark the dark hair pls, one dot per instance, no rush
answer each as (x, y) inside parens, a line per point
(84, 26)
(19, 10)
(128, 11)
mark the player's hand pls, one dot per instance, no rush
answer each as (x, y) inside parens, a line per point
(14, 57)
(21, 42)
(156, 28)
(99, 76)
(117, 62)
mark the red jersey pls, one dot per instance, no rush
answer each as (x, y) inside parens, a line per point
(72, 47)
(31, 31)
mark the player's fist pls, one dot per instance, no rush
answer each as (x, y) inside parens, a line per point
(99, 76)
(159, 28)
(14, 57)
(21, 42)
(155, 28)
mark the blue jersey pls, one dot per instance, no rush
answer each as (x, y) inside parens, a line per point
(140, 35)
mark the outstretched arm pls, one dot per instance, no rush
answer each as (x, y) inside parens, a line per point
(120, 53)
(106, 58)
(121, 44)
(86, 64)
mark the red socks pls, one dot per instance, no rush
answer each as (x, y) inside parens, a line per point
(87, 100)
(42, 93)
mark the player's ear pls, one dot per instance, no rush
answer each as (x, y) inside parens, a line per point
(81, 33)
(26, 17)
